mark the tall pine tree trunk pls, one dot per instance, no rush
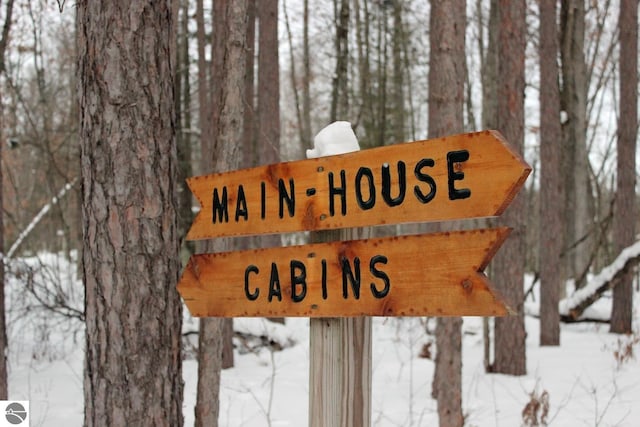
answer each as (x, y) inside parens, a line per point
(133, 370)
(204, 93)
(573, 98)
(446, 102)
(183, 137)
(249, 155)
(489, 71)
(306, 78)
(339, 92)
(269, 97)
(398, 41)
(625, 203)
(508, 264)
(228, 113)
(4, 389)
(551, 189)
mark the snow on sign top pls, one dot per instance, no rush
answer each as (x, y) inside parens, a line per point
(456, 177)
(337, 138)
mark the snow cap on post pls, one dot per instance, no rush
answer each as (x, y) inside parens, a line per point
(337, 138)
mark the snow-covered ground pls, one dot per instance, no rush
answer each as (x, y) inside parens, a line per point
(586, 385)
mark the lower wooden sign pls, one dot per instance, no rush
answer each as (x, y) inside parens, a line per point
(416, 275)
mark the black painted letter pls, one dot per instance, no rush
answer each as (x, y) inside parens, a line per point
(290, 198)
(424, 198)
(263, 200)
(371, 201)
(348, 276)
(220, 206)
(298, 279)
(452, 158)
(250, 296)
(340, 191)
(241, 205)
(379, 259)
(386, 184)
(274, 283)
(324, 279)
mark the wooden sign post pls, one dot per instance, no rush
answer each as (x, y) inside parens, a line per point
(462, 176)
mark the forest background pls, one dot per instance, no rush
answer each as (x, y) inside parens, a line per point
(305, 64)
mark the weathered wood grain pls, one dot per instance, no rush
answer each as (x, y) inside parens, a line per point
(417, 275)
(462, 176)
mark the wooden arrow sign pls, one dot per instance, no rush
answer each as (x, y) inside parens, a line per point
(418, 275)
(462, 176)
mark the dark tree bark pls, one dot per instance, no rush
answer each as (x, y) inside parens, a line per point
(268, 83)
(183, 113)
(249, 155)
(339, 92)
(269, 97)
(573, 98)
(489, 69)
(204, 93)
(4, 388)
(4, 391)
(508, 264)
(625, 213)
(551, 189)
(220, 37)
(306, 78)
(226, 156)
(446, 102)
(399, 40)
(133, 370)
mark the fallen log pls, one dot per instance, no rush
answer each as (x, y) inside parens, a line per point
(572, 307)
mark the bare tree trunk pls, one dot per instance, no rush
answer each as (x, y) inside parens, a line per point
(366, 105)
(204, 93)
(399, 40)
(209, 340)
(183, 140)
(133, 372)
(490, 72)
(573, 98)
(625, 214)
(551, 189)
(268, 84)
(4, 388)
(381, 74)
(508, 264)
(489, 119)
(220, 36)
(306, 77)
(226, 156)
(294, 78)
(447, 28)
(339, 92)
(269, 97)
(249, 156)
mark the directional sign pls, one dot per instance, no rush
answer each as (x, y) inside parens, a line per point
(418, 275)
(462, 176)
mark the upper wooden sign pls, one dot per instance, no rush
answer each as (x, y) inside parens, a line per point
(461, 176)
(419, 275)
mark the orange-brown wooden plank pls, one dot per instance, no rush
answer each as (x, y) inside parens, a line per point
(461, 176)
(417, 275)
